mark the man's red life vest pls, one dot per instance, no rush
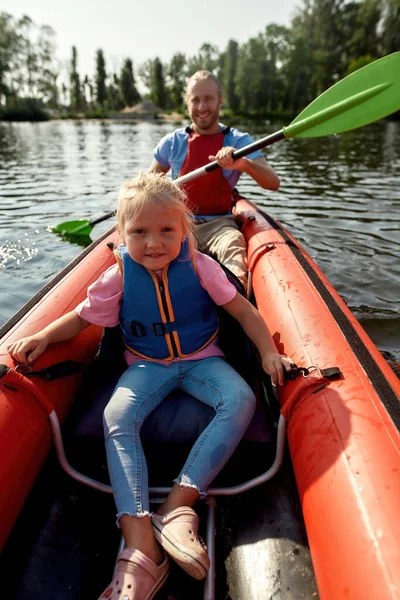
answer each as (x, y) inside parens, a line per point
(211, 194)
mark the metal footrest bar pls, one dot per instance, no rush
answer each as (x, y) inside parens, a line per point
(160, 491)
(68, 468)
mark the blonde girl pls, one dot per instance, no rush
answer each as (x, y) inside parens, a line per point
(163, 293)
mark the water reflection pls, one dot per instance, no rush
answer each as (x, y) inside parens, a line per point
(340, 196)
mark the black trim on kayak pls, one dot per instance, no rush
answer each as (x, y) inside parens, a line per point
(377, 378)
(45, 289)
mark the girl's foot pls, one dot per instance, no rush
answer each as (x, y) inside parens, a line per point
(136, 577)
(177, 532)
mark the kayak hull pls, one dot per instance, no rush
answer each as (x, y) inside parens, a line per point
(343, 438)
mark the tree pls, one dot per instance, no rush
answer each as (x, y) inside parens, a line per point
(207, 59)
(26, 60)
(8, 50)
(158, 94)
(252, 76)
(390, 26)
(296, 74)
(177, 76)
(318, 24)
(146, 73)
(100, 78)
(114, 101)
(75, 86)
(277, 49)
(127, 88)
(64, 94)
(47, 69)
(228, 75)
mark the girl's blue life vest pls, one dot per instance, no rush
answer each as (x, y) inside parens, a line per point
(167, 319)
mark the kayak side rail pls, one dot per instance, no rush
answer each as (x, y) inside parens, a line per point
(223, 491)
(68, 468)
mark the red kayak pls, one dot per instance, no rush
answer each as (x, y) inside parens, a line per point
(342, 409)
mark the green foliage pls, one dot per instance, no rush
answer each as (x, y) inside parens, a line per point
(75, 92)
(27, 62)
(100, 78)
(26, 109)
(114, 100)
(208, 59)
(280, 69)
(177, 76)
(228, 75)
(98, 113)
(390, 37)
(158, 92)
(127, 87)
(358, 63)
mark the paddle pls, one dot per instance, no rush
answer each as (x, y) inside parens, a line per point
(81, 226)
(367, 95)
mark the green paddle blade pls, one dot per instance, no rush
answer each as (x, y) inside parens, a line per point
(81, 227)
(78, 239)
(376, 87)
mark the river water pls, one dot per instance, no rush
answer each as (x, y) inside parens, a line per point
(339, 196)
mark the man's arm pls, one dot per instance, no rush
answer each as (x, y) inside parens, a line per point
(258, 169)
(261, 171)
(157, 168)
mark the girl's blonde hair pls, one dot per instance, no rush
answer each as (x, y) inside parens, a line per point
(153, 188)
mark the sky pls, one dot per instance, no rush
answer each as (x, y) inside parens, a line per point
(144, 29)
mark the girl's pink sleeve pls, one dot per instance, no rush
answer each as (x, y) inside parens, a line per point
(103, 301)
(214, 280)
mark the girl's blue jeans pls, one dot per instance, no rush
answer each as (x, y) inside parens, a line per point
(139, 391)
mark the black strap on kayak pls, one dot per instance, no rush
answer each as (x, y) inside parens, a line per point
(295, 371)
(57, 371)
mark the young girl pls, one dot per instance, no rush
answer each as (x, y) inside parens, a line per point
(163, 293)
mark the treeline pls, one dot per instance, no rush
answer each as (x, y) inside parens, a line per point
(281, 69)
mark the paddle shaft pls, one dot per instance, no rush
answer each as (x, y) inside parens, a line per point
(103, 218)
(212, 166)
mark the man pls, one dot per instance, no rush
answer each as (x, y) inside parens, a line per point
(210, 196)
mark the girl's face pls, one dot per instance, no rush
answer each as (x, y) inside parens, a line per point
(154, 238)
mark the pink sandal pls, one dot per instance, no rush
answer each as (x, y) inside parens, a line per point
(176, 531)
(136, 578)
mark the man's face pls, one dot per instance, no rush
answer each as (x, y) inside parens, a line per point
(204, 101)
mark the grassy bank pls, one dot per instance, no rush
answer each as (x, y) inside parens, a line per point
(23, 110)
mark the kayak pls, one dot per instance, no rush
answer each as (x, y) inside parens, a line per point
(341, 413)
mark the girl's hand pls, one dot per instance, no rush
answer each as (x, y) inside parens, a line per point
(225, 161)
(273, 364)
(27, 349)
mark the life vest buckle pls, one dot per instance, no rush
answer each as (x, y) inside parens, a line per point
(159, 329)
(137, 329)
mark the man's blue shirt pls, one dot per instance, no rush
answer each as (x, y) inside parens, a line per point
(171, 151)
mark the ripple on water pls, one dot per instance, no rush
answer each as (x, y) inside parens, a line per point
(13, 254)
